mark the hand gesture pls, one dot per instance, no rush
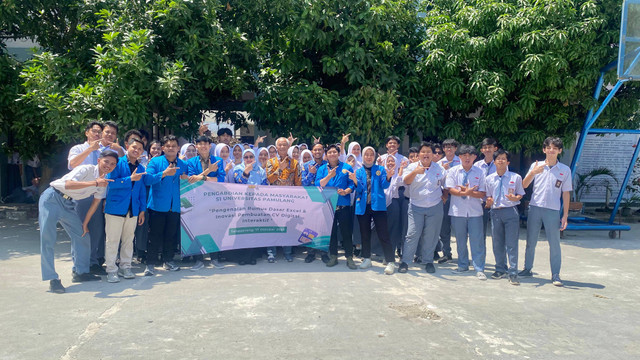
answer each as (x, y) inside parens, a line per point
(446, 165)
(352, 176)
(135, 176)
(343, 192)
(391, 172)
(316, 140)
(489, 203)
(102, 182)
(170, 170)
(345, 138)
(115, 146)
(313, 169)
(512, 197)
(403, 164)
(420, 169)
(202, 129)
(260, 139)
(379, 161)
(95, 145)
(248, 168)
(213, 167)
(291, 139)
(228, 167)
(351, 162)
(467, 191)
(332, 172)
(538, 168)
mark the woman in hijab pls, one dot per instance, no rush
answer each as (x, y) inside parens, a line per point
(248, 172)
(273, 152)
(262, 155)
(372, 180)
(305, 157)
(187, 151)
(354, 148)
(223, 151)
(294, 152)
(236, 159)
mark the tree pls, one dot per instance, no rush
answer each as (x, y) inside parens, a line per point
(519, 70)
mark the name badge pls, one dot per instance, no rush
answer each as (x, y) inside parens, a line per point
(558, 183)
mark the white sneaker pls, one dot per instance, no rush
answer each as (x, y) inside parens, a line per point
(126, 273)
(481, 275)
(197, 266)
(112, 277)
(390, 269)
(366, 263)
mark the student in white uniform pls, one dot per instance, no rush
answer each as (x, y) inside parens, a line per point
(488, 147)
(450, 159)
(551, 181)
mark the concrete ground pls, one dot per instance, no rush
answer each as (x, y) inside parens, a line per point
(309, 311)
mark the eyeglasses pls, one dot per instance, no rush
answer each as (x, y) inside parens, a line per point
(248, 157)
(439, 153)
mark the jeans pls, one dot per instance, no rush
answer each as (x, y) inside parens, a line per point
(470, 227)
(272, 251)
(120, 231)
(505, 227)
(486, 222)
(551, 220)
(163, 227)
(445, 230)
(423, 228)
(96, 227)
(53, 208)
(380, 220)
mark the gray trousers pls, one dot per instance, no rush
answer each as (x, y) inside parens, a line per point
(505, 228)
(551, 220)
(445, 230)
(423, 228)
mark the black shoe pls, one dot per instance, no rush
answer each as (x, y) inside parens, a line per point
(242, 262)
(417, 259)
(513, 280)
(403, 268)
(55, 286)
(525, 272)
(444, 259)
(310, 258)
(96, 269)
(325, 258)
(253, 262)
(436, 256)
(75, 277)
(498, 275)
(430, 268)
(356, 252)
(399, 252)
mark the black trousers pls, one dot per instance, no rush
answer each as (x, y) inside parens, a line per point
(380, 221)
(163, 230)
(342, 221)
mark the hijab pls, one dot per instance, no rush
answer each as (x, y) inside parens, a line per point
(219, 148)
(231, 152)
(257, 154)
(374, 156)
(290, 151)
(301, 161)
(183, 149)
(274, 147)
(257, 174)
(350, 151)
(356, 165)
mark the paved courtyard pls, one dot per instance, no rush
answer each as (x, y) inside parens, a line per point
(307, 311)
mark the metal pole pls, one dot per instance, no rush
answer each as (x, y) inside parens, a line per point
(625, 182)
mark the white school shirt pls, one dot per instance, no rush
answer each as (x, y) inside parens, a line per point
(469, 207)
(452, 163)
(549, 185)
(91, 159)
(510, 182)
(488, 169)
(399, 159)
(81, 173)
(426, 189)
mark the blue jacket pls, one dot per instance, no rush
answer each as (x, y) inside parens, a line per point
(194, 167)
(378, 184)
(309, 178)
(165, 192)
(120, 193)
(340, 181)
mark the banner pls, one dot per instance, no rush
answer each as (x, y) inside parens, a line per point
(223, 216)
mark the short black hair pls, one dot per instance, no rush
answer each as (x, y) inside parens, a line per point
(203, 138)
(451, 142)
(332, 146)
(467, 149)
(392, 137)
(413, 150)
(134, 140)
(144, 134)
(106, 153)
(428, 144)
(489, 142)
(168, 138)
(111, 124)
(128, 134)
(227, 131)
(92, 124)
(500, 152)
(555, 141)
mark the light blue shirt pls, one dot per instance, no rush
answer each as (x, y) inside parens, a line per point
(488, 169)
(549, 185)
(467, 206)
(426, 189)
(92, 159)
(498, 187)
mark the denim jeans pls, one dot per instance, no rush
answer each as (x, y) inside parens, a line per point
(445, 230)
(551, 220)
(53, 208)
(471, 228)
(96, 227)
(505, 227)
(423, 228)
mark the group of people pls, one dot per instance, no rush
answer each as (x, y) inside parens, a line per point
(115, 195)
